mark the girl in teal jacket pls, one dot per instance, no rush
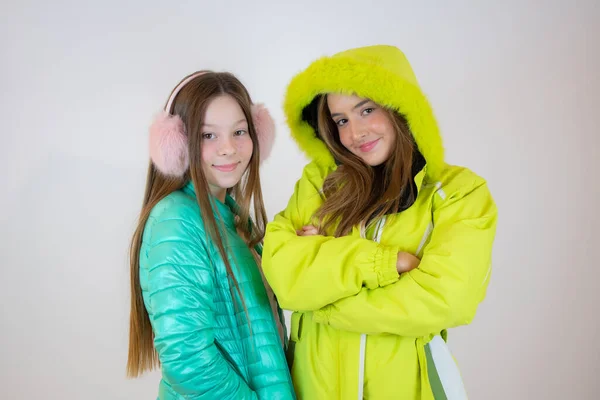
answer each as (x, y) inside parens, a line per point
(200, 307)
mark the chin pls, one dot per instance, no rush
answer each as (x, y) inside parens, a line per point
(373, 162)
(228, 184)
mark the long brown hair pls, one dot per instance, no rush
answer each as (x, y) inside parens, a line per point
(190, 104)
(356, 193)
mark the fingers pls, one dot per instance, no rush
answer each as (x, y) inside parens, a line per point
(310, 231)
(307, 230)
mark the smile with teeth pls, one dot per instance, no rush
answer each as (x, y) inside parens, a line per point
(226, 167)
(366, 147)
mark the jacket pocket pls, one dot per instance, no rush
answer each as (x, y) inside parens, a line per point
(295, 335)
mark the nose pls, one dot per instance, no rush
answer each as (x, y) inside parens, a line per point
(226, 146)
(358, 130)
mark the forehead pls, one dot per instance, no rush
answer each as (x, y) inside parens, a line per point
(223, 111)
(343, 101)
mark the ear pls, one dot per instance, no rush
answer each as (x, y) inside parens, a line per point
(265, 130)
(169, 145)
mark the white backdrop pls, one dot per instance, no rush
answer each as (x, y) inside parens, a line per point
(515, 87)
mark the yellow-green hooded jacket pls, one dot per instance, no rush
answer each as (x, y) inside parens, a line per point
(358, 329)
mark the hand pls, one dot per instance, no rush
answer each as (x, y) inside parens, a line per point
(406, 262)
(307, 230)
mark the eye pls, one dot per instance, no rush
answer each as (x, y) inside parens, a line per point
(208, 136)
(240, 132)
(341, 122)
(367, 111)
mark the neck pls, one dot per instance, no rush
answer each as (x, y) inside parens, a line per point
(219, 193)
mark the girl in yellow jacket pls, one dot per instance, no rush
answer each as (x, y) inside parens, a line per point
(383, 246)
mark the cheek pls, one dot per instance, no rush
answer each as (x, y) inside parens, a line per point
(385, 127)
(245, 146)
(390, 135)
(381, 123)
(345, 138)
(207, 152)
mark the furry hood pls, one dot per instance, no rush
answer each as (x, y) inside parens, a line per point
(380, 73)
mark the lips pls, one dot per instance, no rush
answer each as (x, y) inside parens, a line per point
(366, 147)
(226, 167)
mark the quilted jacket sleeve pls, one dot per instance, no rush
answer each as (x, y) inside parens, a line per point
(180, 300)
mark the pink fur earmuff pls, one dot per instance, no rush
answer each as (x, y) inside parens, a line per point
(265, 130)
(169, 143)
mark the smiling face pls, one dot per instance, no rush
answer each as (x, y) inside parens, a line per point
(364, 127)
(226, 145)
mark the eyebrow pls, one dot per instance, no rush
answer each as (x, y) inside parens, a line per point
(362, 103)
(236, 123)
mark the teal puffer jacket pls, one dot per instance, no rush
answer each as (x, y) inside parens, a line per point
(203, 341)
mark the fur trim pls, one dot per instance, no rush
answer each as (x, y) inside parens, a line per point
(168, 144)
(380, 73)
(265, 130)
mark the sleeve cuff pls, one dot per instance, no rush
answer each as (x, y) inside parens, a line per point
(385, 265)
(379, 267)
